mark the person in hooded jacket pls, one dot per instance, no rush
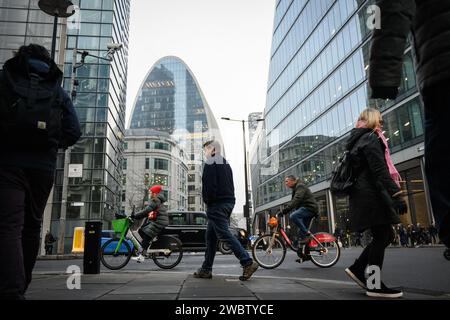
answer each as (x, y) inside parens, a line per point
(375, 198)
(156, 220)
(428, 21)
(27, 82)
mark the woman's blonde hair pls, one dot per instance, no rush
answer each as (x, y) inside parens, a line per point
(371, 116)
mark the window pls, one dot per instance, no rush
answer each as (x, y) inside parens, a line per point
(125, 145)
(147, 145)
(147, 163)
(124, 164)
(199, 219)
(160, 179)
(161, 164)
(178, 218)
(191, 200)
(191, 188)
(191, 177)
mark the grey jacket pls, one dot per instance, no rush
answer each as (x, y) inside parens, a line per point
(429, 22)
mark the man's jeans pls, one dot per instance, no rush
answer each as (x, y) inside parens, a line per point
(23, 195)
(437, 154)
(218, 229)
(301, 217)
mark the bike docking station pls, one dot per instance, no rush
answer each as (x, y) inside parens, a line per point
(92, 242)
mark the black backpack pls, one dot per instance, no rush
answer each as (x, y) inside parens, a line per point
(343, 176)
(29, 123)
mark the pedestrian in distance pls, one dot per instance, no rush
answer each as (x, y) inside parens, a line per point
(156, 219)
(301, 209)
(36, 118)
(429, 23)
(375, 198)
(433, 233)
(48, 241)
(218, 195)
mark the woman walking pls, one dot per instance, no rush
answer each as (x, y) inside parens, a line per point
(375, 199)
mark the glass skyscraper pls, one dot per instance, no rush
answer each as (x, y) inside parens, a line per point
(21, 23)
(317, 88)
(170, 100)
(100, 106)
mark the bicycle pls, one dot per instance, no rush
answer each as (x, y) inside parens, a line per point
(269, 250)
(166, 251)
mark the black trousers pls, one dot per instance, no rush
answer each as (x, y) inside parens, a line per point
(23, 196)
(145, 240)
(373, 254)
(436, 101)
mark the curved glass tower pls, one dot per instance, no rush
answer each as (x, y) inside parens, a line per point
(170, 100)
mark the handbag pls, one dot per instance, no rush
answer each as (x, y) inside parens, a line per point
(153, 214)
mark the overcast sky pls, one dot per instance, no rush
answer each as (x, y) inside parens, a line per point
(225, 43)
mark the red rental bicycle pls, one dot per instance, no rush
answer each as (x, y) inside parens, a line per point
(269, 250)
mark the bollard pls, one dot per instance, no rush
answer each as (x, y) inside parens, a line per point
(92, 236)
(78, 240)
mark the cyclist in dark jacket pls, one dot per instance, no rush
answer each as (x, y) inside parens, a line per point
(429, 21)
(30, 80)
(156, 220)
(302, 207)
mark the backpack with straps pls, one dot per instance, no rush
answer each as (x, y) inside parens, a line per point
(343, 176)
(29, 123)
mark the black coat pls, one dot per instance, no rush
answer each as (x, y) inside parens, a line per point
(429, 21)
(15, 76)
(217, 180)
(368, 206)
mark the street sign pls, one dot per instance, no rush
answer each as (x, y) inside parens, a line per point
(77, 204)
(75, 170)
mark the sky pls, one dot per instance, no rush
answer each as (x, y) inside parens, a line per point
(225, 43)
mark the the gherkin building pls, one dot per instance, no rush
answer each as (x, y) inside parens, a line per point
(170, 100)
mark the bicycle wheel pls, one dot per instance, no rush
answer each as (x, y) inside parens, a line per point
(173, 251)
(328, 254)
(268, 257)
(115, 261)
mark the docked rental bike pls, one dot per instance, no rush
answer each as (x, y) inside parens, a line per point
(165, 250)
(269, 250)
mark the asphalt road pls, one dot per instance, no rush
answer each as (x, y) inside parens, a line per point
(421, 270)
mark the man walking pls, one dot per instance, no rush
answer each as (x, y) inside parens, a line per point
(36, 118)
(218, 194)
(49, 240)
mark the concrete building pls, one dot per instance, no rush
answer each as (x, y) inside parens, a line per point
(153, 157)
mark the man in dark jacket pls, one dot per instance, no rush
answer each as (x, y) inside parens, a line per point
(302, 207)
(30, 83)
(429, 22)
(218, 194)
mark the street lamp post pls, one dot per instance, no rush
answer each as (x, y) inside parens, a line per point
(57, 9)
(247, 202)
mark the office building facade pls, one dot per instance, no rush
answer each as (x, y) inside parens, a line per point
(317, 88)
(170, 100)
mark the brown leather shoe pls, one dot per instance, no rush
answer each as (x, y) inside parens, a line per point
(203, 274)
(248, 271)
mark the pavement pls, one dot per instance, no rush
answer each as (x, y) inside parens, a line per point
(172, 285)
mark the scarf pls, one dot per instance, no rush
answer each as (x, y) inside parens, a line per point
(387, 156)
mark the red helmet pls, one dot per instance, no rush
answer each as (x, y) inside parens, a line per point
(156, 189)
